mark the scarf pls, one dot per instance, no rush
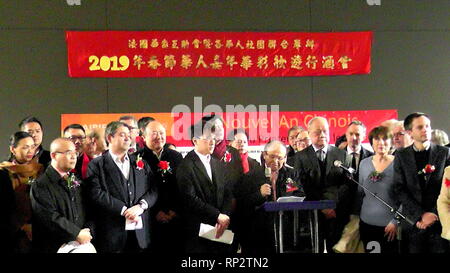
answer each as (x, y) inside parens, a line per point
(244, 159)
(220, 149)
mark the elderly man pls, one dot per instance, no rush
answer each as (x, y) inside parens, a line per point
(257, 225)
(164, 163)
(418, 172)
(59, 214)
(121, 190)
(401, 138)
(323, 181)
(33, 126)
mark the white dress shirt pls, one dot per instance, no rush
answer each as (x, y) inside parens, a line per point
(324, 149)
(123, 166)
(357, 154)
(206, 159)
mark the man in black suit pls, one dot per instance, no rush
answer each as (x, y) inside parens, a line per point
(59, 214)
(121, 190)
(33, 126)
(204, 193)
(164, 214)
(355, 135)
(417, 189)
(257, 225)
(323, 181)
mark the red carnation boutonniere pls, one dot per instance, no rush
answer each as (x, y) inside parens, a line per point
(139, 163)
(290, 185)
(447, 182)
(164, 167)
(227, 157)
(429, 169)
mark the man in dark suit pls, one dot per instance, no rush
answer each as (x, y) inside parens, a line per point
(33, 126)
(59, 214)
(323, 181)
(204, 193)
(355, 135)
(166, 223)
(121, 190)
(418, 187)
(257, 225)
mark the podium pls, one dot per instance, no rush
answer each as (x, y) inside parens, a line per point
(296, 206)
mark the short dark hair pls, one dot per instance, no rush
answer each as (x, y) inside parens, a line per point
(234, 132)
(144, 121)
(74, 126)
(198, 129)
(340, 140)
(293, 128)
(380, 132)
(358, 123)
(410, 118)
(111, 129)
(211, 118)
(29, 119)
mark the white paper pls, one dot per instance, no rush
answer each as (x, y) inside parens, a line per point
(75, 247)
(291, 199)
(131, 225)
(209, 232)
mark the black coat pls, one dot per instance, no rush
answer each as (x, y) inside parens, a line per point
(256, 226)
(44, 157)
(59, 213)
(166, 184)
(108, 194)
(202, 199)
(7, 203)
(407, 185)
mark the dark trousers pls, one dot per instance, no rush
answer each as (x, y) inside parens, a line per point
(200, 245)
(369, 233)
(166, 237)
(425, 241)
(132, 245)
(330, 230)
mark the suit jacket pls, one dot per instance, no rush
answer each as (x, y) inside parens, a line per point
(166, 184)
(443, 205)
(7, 203)
(335, 185)
(58, 212)
(255, 225)
(44, 157)
(109, 193)
(202, 199)
(407, 184)
(234, 167)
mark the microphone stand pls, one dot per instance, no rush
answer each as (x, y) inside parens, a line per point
(397, 215)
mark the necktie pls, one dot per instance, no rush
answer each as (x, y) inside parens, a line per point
(131, 150)
(354, 161)
(320, 154)
(273, 179)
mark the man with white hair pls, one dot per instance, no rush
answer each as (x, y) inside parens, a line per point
(257, 225)
(324, 181)
(401, 138)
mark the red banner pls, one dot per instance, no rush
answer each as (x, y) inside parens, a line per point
(216, 54)
(260, 125)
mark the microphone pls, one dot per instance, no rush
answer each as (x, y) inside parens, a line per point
(267, 173)
(338, 163)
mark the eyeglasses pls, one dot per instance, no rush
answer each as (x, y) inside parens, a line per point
(400, 134)
(304, 140)
(68, 153)
(75, 138)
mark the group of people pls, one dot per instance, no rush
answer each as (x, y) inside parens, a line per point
(126, 190)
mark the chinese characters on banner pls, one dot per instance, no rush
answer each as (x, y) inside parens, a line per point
(216, 54)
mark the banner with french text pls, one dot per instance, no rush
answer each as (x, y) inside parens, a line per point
(260, 126)
(217, 54)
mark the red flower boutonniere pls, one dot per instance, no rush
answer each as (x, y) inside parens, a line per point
(429, 169)
(164, 167)
(447, 182)
(290, 185)
(139, 163)
(227, 157)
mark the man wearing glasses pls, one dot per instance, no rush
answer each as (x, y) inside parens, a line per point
(131, 122)
(401, 138)
(77, 134)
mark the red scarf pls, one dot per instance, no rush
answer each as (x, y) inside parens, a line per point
(244, 159)
(84, 165)
(220, 149)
